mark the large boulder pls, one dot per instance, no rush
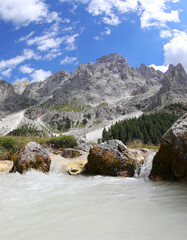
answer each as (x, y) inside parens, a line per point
(33, 156)
(170, 162)
(112, 159)
(83, 144)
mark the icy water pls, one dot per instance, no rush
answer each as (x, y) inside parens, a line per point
(38, 206)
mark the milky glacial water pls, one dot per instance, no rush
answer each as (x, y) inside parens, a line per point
(37, 206)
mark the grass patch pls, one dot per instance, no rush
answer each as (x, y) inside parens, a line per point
(98, 122)
(137, 144)
(13, 145)
(66, 141)
(66, 107)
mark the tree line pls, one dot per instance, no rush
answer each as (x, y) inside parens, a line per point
(149, 128)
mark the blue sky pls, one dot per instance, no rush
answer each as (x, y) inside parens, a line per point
(40, 37)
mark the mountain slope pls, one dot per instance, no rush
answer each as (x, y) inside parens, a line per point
(10, 101)
(173, 90)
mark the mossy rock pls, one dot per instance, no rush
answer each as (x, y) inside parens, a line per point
(103, 162)
(32, 156)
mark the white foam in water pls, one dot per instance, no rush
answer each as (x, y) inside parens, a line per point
(146, 167)
(37, 206)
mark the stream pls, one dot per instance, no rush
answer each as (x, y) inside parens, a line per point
(57, 206)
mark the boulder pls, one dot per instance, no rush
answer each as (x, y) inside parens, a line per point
(170, 163)
(6, 165)
(70, 153)
(33, 156)
(76, 168)
(83, 144)
(112, 159)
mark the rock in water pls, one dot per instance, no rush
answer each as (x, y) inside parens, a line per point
(33, 156)
(6, 165)
(112, 159)
(76, 168)
(170, 162)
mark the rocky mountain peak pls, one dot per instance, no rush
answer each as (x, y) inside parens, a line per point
(150, 72)
(114, 57)
(20, 86)
(170, 69)
(178, 75)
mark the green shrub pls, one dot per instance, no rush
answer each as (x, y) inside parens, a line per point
(65, 141)
(26, 130)
(7, 143)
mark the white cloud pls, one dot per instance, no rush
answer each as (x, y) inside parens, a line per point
(23, 12)
(52, 54)
(6, 66)
(152, 12)
(161, 68)
(13, 62)
(26, 69)
(81, 1)
(165, 33)
(112, 20)
(106, 32)
(40, 75)
(70, 42)
(7, 72)
(69, 60)
(24, 38)
(155, 13)
(175, 51)
(45, 42)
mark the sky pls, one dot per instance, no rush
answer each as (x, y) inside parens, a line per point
(40, 37)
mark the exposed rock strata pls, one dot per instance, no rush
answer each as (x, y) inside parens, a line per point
(20, 86)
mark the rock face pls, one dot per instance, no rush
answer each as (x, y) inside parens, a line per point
(11, 101)
(20, 86)
(99, 90)
(70, 153)
(33, 156)
(45, 89)
(111, 159)
(170, 162)
(95, 93)
(173, 90)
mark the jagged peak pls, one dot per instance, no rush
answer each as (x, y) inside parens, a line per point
(111, 58)
(180, 67)
(24, 81)
(61, 72)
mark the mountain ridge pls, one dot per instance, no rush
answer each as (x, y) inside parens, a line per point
(106, 90)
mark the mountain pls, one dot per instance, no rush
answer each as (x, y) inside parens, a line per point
(173, 90)
(94, 94)
(45, 89)
(20, 86)
(10, 101)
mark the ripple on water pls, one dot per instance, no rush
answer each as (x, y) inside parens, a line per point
(60, 206)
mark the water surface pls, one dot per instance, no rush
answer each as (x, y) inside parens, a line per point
(37, 206)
